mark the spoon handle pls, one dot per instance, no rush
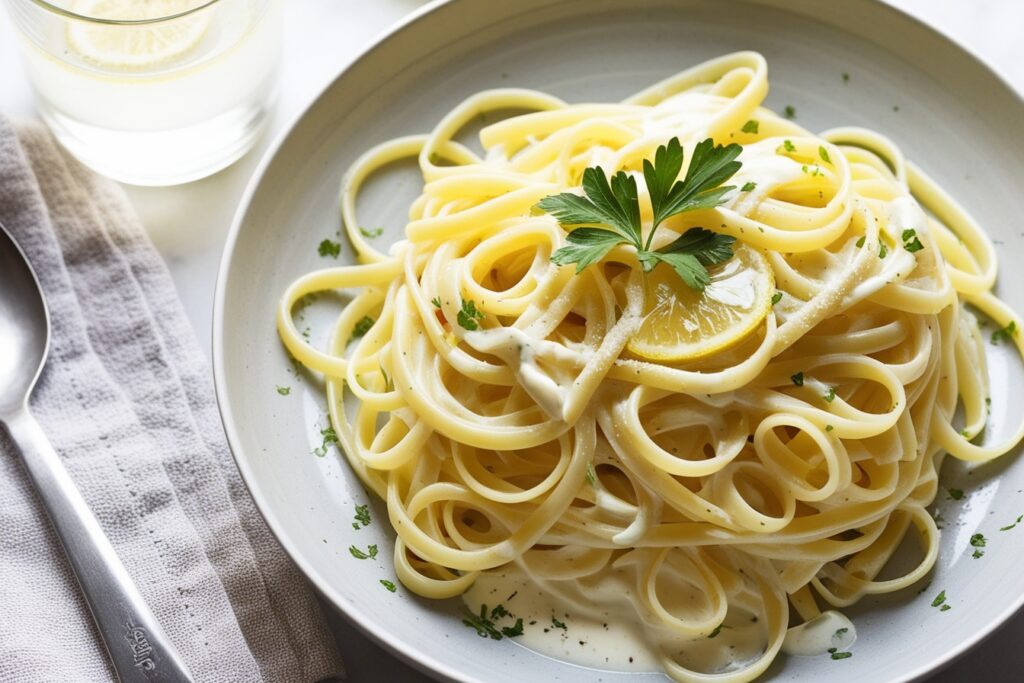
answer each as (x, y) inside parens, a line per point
(138, 647)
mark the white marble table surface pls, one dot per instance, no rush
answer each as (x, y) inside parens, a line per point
(189, 223)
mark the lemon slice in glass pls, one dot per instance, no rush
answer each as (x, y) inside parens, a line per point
(684, 324)
(139, 46)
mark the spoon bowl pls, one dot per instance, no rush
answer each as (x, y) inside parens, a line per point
(24, 326)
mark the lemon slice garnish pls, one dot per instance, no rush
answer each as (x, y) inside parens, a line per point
(135, 47)
(684, 324)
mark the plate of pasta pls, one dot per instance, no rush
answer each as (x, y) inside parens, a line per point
(566, 341)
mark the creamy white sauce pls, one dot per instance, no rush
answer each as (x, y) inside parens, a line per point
(519, 351)
(828, 630)
(602, 629)
(615, 642)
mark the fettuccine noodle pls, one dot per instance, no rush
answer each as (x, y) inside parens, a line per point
(687, 496)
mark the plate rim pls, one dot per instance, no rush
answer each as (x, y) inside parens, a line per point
(418, 658)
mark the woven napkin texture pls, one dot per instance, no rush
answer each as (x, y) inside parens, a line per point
(126, 399)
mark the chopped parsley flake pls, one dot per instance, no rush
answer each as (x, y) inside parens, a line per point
(591, 475)
(882, 251)
(376, 232)
(362, 516)
(829, 428)
(748, 186)
(977, 553)
(486, 628)
(846, 77)
(841, 655)
(284, 391)
(955, 494)
(750, 126)
(513, 631)
(776, 297)
(436, 301)
(860, 242)
(939, 599)
(823, 153)
(329, 437)
(978, 540)
(911, 242)
(361, 327)
(559, 624)
(329, 248)
(1015, 523)
(789, 112)
(788, 146)
(469, 316)
(1006, 333)
(839, 632)
(945, 608)
(798, 378)
(831, 395)
(370, 554)
(718, 629)
(389, 585)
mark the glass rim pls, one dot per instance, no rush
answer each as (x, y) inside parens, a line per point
(68, 14)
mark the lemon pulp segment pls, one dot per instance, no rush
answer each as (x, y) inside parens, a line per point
(135, 47)
(684, 324)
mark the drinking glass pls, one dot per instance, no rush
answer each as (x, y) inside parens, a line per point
(152, 92)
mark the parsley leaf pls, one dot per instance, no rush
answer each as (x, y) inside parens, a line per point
(789, 112)
(748, 186)
(484, 627)
(619, 209)
(860, 242)
(361, 327)
(469, 316)
(750, 126)
(362, 516)
(776, 297)
(689, 253)
(841, 655)
(1006, 333)
(911, 242)
(831, 395)
(787, 146)
(436, 301)
(610, 211)
(329, 437)
(284, 391)
(978, 540)
(370, 554)
(513, 631)
(586, 246)
(955, 494)
(376, 232)
(390, 585)
(710, 166)
(939, 599)
(591, 475)
(1007, 528)
(823, 153)
(798, 378)
(329, 248)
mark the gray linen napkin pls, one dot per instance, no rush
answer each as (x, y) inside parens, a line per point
(126, 399)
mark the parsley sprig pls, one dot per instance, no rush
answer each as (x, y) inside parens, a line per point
(614, 206)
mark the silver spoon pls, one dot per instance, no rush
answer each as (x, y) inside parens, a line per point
(138, 647)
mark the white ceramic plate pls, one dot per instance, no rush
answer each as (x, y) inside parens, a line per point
(947, 111)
